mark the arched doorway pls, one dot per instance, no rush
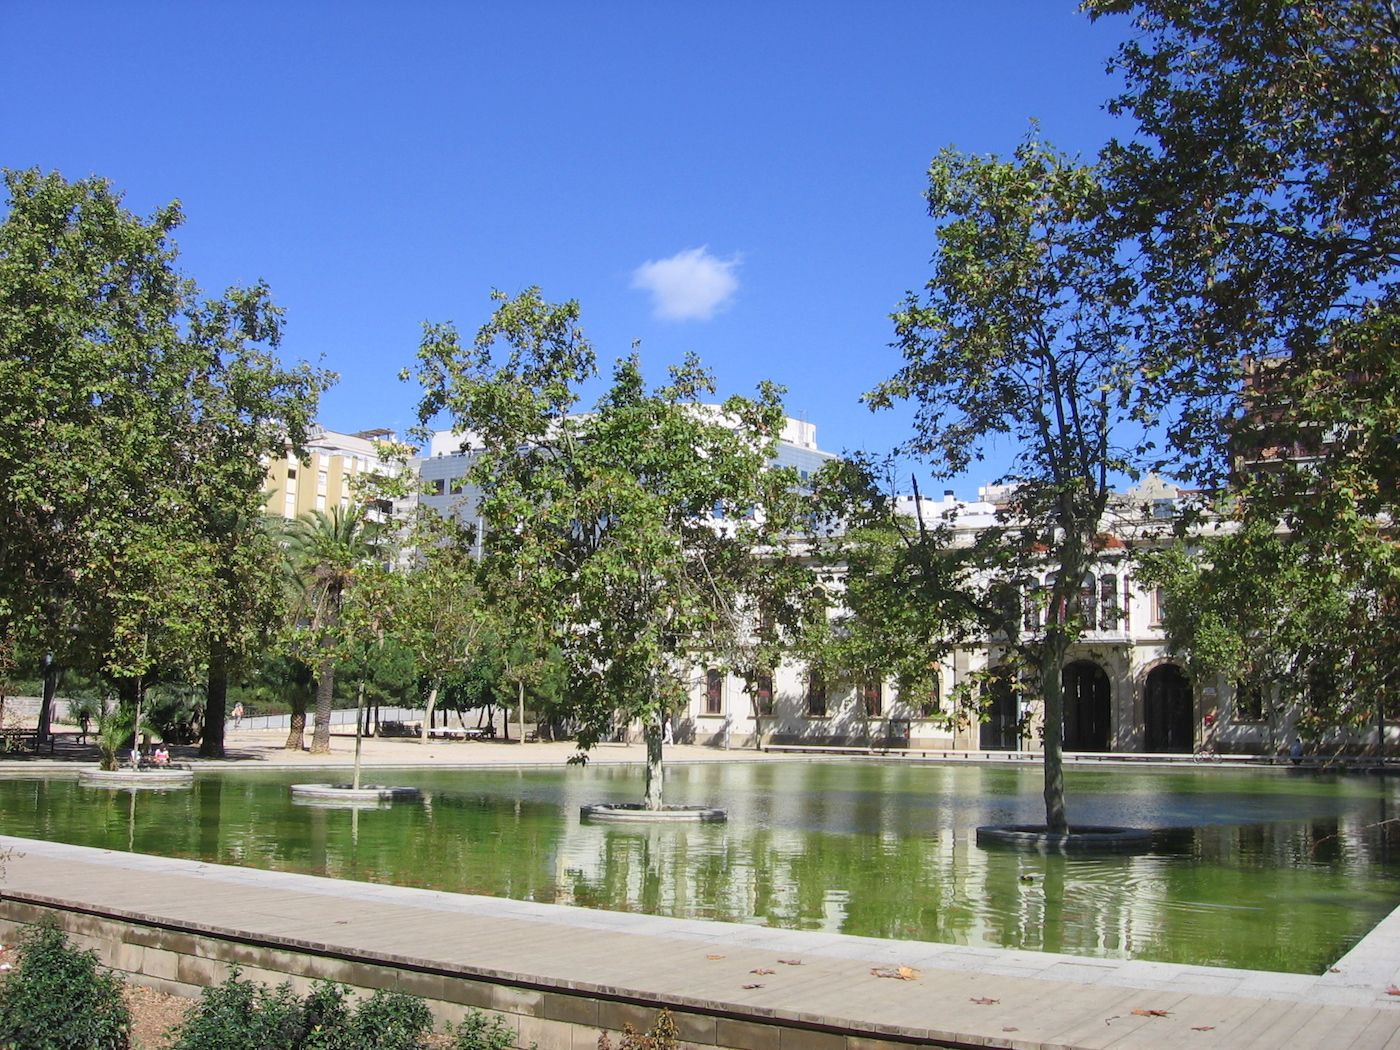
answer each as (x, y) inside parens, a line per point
(1087, 716)
(1000, 730)
(1166, 711)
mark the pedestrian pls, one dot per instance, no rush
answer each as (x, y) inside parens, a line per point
(237, 714)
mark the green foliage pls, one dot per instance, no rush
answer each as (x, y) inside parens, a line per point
(134, 419)
(599, 543)
(58, 999)
(1286, 615)
(1027, 333)
(1263, 185)
(386, 1021)
(242, 1015)
(479, 1031)
(114, 733)
(896, 593)
(663, 1035)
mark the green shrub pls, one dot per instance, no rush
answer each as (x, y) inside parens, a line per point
(58, 999)
(241, 1015)
(663, 1036)
(388, 1021)
(480, 1032)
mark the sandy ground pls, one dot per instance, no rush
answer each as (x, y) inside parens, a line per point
(265, 749)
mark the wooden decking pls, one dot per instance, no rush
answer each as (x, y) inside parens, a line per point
(735, 975)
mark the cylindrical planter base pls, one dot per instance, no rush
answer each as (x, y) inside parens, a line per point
(636, 813)
(1086, 839)
(161, 779)
(345, 795)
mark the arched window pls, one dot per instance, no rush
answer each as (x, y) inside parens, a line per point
(714, 692)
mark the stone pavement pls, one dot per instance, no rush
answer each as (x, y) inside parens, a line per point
(743, 975)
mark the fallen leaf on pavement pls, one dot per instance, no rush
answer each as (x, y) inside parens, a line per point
(1144, 1012)
(899, 973)
(791, 962)
(982, 1000)
(751, 986)
(761, 971)
(714, 956)
(1009, 1028)
(1203, 1028)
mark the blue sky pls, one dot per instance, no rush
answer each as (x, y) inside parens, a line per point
(381, 165)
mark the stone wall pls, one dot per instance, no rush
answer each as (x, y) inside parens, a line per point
(182, 960)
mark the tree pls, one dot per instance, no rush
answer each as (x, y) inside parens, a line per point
(438, 613)
(1026, 332)
(244, 407)
(327, 551)
(1263, 184)
(898, 593)
(132, 419)
(1282, 618)
(606, 523)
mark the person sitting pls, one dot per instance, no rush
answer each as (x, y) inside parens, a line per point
(161, 757)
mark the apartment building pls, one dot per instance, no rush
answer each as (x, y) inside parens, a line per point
(331, 474)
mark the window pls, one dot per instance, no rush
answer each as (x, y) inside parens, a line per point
(933, 699)
(1159, 605)
(873, 693)
(816, 695)
(320, 501)
(763, 685)
(1030, 609)
(291, 472)
(321, 478)
(438, 486)
(1109, 614)
(289, 504)
(714, 692)
(1089, 602)
(1249, 702)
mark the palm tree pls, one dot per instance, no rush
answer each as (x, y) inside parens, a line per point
(325, 551)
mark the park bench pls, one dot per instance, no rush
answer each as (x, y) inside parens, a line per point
(12, 740)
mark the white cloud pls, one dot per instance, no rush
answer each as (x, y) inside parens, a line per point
(689, 286)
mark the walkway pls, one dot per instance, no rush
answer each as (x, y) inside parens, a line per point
(755, 987)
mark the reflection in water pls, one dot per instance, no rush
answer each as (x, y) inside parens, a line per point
(1276, 872)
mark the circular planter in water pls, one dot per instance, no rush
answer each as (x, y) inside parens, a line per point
(636, 813)
(163, 779)
(1085, 838)
(346, 795)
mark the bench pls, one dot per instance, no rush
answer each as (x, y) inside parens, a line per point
(12, 740)
(466, 733)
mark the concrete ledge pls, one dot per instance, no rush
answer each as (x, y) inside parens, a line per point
(558, 974)
(636, 813)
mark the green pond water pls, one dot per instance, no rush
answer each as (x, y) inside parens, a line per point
(1280, 872)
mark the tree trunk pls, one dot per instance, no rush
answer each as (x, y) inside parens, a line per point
(211, 744)
(432, 706)
(325, 697)
(655, 779)
(359, 733)
(297, 724)
(520, 706)
(1052, 690)
(46, 704)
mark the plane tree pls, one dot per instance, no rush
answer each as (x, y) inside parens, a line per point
(1025, 338)
(626, 531)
